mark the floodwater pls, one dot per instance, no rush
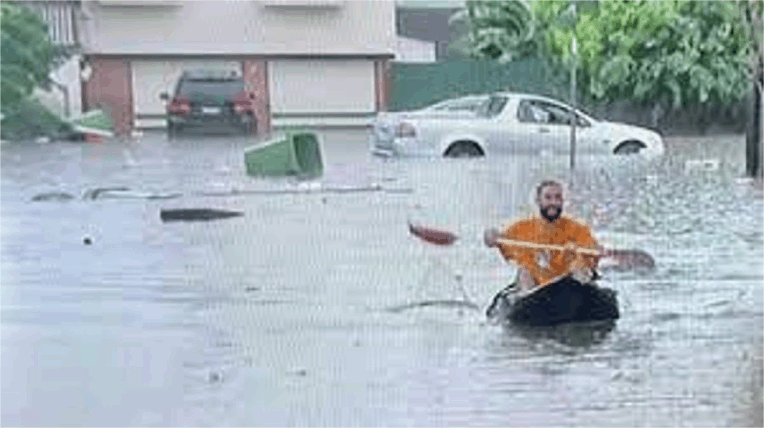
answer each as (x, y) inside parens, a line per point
(305, 311)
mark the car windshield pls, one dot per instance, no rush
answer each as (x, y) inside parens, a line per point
(589, 115)
(493, 107)
(211, 88)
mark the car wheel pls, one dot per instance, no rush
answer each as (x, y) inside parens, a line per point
(629, 148)
(464, 149)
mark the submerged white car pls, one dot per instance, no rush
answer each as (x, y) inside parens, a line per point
(508, 123)
(470, 103)
(468, 106)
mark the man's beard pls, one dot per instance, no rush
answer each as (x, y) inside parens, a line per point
(551, 218)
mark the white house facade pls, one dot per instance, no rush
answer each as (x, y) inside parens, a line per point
(414, 50)
(65, 95)
(308, 62)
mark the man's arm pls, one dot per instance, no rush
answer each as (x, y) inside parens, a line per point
(582, 267)
(527, 272)
(490, 237)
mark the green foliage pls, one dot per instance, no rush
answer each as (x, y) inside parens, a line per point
(27, 53)
(751, 22)
(28, 119)
(669, 52)
(500, 30)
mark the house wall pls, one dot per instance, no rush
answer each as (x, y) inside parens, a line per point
(110, 89)
(243, 27)
(60, 18)
(413, 50)
(429, 21)
(256, 78)
(68, 75)
(313, 65)
(382, 84)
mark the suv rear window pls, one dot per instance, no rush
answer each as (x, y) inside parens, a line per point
(208, 87)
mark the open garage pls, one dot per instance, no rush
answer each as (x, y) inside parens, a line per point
(152, 77)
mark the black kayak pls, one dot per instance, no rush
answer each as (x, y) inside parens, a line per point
(561, 302)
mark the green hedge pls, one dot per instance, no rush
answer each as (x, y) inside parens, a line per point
(418, 85)
(29, 119)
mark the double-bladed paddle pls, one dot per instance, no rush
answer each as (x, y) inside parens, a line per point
(625, 259)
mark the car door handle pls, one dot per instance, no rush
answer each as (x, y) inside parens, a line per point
(544, 130)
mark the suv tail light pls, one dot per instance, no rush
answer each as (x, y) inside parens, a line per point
(180, 106)
(405, 130)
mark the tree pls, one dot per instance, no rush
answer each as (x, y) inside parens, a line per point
(27, 58)
(512, 30)
(27, 53)
(668, 53)
(751, 21)
(500, 30)
(675, 53)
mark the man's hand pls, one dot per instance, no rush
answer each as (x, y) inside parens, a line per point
(578, 269)
(582, 275)
(570, 252)
(490, 236)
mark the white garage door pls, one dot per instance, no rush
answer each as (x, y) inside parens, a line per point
(321, 87)
(152, 77)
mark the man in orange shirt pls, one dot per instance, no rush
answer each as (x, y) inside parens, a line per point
(543, 267)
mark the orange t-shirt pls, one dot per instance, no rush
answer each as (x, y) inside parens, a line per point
(545, 265)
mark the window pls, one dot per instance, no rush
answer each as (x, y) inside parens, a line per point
(220, 88)
(493, 107)
(542, 112)
(60, 19)
(470, 104)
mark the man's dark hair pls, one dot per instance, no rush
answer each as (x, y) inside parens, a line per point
(546, 183)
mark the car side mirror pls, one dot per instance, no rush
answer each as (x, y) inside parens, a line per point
(163, 96)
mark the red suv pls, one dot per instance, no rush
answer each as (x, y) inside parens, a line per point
(205, 98)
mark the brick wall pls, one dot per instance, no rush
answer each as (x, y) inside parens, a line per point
(109, 88)
(382, 84)
(256, 79)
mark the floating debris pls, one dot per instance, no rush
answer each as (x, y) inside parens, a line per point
(309, 189)
(95, 193)
(125, 193)
(53, 196)
(197, 214)
(445, 303)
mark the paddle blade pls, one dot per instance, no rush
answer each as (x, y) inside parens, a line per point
(631, 259)
(433, 236)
